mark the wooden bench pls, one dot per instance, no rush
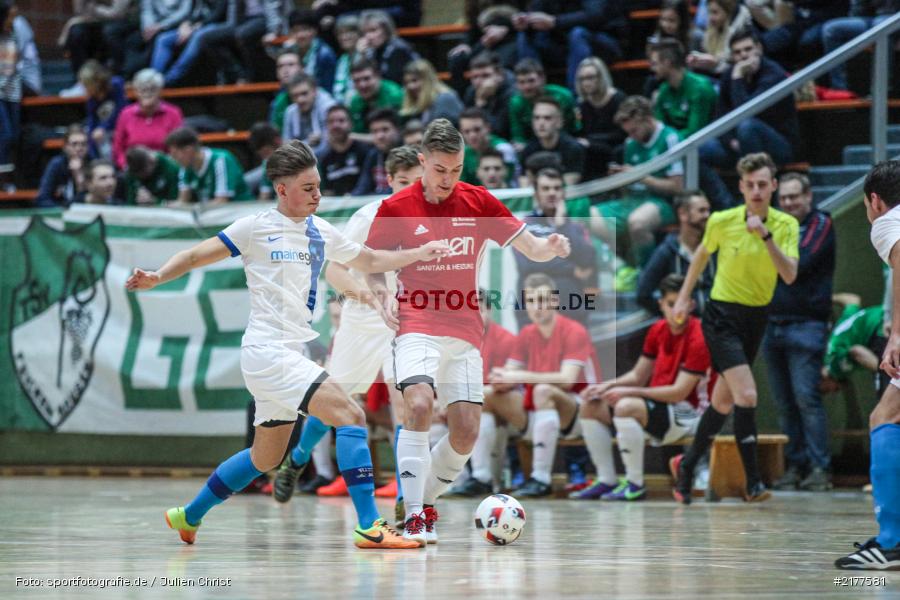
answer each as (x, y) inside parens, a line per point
(216, 138)
(726, 473)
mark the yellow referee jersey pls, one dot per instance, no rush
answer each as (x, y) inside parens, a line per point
(745, 273)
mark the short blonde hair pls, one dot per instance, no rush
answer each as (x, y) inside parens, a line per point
(754, 162)
(442, 136)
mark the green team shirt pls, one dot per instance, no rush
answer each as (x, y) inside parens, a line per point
(689, 108)
(471, 157)
(520, 112)
(390, 95)
(220, 176)
(745, 273)
(856, 326)
(162, 183)
(279, 107)
(636, 153)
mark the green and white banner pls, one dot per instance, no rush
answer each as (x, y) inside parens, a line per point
(83, 355)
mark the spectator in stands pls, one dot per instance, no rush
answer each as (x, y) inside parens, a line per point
(304, 119)
(255, 22)
(864, 15)
(857, 340)
(585, 27)
(726, 17)
(99, 183)
(341, 161)
(554, 357)
(547, 124)
(319, 59)
(210, 176)
(11, 88)
(371, 92)
(413, 132)
(492, 171)
(490, 89)
(151, 178)
(84, 36)
(147, 121)
(686, 101)
(491, 30)
(264, 140)
(475, 128)
(531, 83)
(63, 179)
(572, 274)
(647, 204)
(676, 22)
(405, 13)
(105, 100)
(796, 27)
(380, 43)
(190, 40)
(426, 97)
(384, 126)
(795, 341)
(775, 131)
(660, 397)
(598, 102)
(156, 17)
(287, 66)
(673, 255)
(347, 31)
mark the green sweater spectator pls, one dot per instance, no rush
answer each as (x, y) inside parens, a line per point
(856, 326)
(389, 95)
(687, 108)
(472, 156)
(158, 178)
(220, 176)
(520, 112)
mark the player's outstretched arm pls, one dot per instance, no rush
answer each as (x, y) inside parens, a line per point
(565, 378)
(338, 277)
(205, 253)
(381, 261)
(698, 263)
(671, 394)
(541, 249)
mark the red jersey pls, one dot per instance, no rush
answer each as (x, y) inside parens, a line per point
(684, 352)
(569, 342)
(440, 298)
(497, 346)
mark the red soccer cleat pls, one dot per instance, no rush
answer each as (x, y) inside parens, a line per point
(335, 488)
(387, 491)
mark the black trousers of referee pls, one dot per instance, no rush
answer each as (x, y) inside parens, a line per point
(733, 334)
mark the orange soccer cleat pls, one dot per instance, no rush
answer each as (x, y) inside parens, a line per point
(335, 488)
(387, 491)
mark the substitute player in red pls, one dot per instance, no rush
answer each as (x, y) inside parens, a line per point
(436, 314)
(555, 359)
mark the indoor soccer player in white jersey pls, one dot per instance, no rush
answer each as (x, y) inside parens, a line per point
(362, 345)
(283, 250)
(437, 314)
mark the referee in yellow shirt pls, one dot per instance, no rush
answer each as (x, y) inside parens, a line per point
(755, 244)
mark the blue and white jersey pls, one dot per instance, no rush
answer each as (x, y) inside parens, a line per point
(282, 260)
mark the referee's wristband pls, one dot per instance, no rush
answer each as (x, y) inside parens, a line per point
(767, 237)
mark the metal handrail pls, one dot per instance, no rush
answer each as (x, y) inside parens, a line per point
(688, 148)
(841, 200)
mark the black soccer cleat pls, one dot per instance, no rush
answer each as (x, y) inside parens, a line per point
(870, 557)
(473, 488)
(286, 480)
(533, 489)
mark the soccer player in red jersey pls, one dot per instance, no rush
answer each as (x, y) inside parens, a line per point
(660, 397)
(436, 314)
(555, 359)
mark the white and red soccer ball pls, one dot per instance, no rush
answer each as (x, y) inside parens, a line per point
(500, 519)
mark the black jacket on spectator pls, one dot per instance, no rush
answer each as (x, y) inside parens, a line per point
(497, 109)
(871, 8)
(57, 187)
(570, 152)
(373, 178)
(670, 257)
(608, 16)
(605, 138)
(781, 116)
(810, 295)
(209, 11)
(340, 171)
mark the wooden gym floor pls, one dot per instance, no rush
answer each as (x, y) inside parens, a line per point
(63, 528)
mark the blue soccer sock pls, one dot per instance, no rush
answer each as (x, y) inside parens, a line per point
(397, 430)
(885, 474)
(313, 431)
(231, 476)
(355, 463)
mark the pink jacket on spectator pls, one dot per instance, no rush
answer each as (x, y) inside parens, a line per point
(133, 128)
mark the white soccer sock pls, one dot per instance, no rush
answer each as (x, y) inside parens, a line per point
(546, 434)
(498, 456)
(446, 464)
(414, 460)
(598, 440)
(435, 433)
(321, 456)
(484, 446)
(630, 435)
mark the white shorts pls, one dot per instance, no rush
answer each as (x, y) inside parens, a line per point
(282, 380)
(451, 365)
(667, 423)
(358, 354)
(567, 431)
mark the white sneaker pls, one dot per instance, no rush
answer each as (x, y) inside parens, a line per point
(431, 516)
(414, 529)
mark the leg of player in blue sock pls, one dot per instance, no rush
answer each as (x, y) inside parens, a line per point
(355, 464)
(313, 431)
(885, 474)
(231, 476)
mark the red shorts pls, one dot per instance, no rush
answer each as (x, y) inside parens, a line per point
(377, 397)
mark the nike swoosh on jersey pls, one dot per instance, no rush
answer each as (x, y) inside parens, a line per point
(274, 239)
